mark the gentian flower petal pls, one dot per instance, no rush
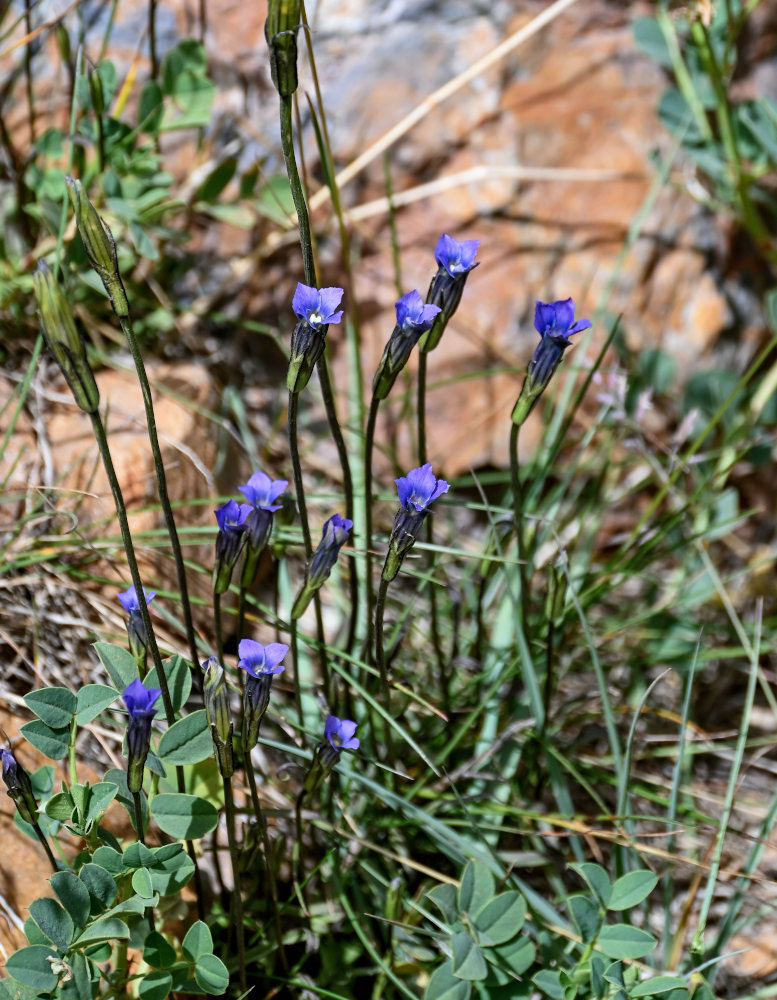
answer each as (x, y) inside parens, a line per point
(129, 598)
(456, 257)
(420, 487)
(262, 491)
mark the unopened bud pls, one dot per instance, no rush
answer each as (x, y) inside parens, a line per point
(99, 245)
(216, 696)
(280, 30)
(19, 787)
(63, 339)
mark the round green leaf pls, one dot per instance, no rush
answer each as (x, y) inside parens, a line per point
(121, 668)
(658, 984)
(188, 740)
(179, 680)
(596, 878)
(444, 898)
(501, 919)
(157, 952)
(52, 743)
(467, 961)
(101, 886)
(624, 941)
(92, 699)
(631, 889)
(56, 706)
(142, 884)
(60, 806)
(53, 921)
(107, 929)
(198, 941)
(477, 887)
(31, 967)
(73, 895)
(211, 975)
(155, 985)
(443, 985)
(186, 817)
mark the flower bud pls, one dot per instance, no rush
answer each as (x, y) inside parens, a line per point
(231, 518)
(416, 491)
(455, 260)
(315, 309)
(99, 245)
(280, 30)
(140, 705)
(19, 787)
(335, 534)
(63, 339)
(216, 696)
(414, 318)
(261, 664)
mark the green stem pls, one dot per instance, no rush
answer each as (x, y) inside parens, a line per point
(237, 898)
(421, 407)
(132, 562)
(45, 845)
(138, 817)
(369, 438)
(518, 515)
(152, 39)
(297, 682)
(297, 471)
(269, 870)
(218, 627)
(380, 655)
(161, 479)
(71, 751)
(299, 885)
(297, 193)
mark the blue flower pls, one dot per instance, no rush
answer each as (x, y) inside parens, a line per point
(262, 492)
(129, 599)
(340, 733)
(19, 786)
(140, 704)
(413, 315)
(456, 257)
(232, 515)
(140, 700)
(257, 659)
(420, 487)
(555, 323)
(316, 306)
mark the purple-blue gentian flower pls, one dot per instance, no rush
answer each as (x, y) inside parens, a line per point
(140, 704)
(414, 318)
(456, 257)
(260, 663)
(555, 323)
(315, 309)
(231, 518)
(257, 659)
(136, 629)
(417, 491)
(261, 492)
(19, 786)
(129, 598)
(317, 306)
(420, 487)
(334, 534)
(455, 261)
(340, 733)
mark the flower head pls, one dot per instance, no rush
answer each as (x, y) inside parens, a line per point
(262, 492)
(129, 598)
(231, 516)
(557, 320)
(19, 786)
(420, 487)
(316, 306)
(413, 315)
(340, 733)
(456, 257)
(257, 659)
(140, 700)
(336, 531)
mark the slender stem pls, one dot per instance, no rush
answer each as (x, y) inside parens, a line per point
(297, 682)
(152, 38)
(45, 844)
(217, 624)
(138, 817)
(132, 562)
(297, 470)
(71, 751)
(161, 479)
(28, 70)
(322, 654)
(337, 434)
(380, 655)
(237, 898)
(269, 870)
(518, 515)
(421, 407)
(299, 884)
(369, 438)
(297, 193)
